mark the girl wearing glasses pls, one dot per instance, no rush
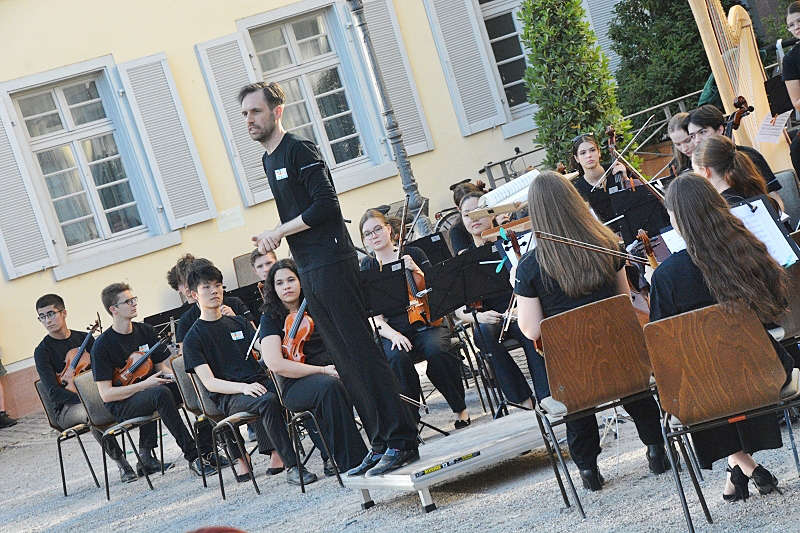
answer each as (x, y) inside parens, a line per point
(404, 343)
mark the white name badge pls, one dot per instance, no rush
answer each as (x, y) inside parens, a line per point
(144, 347)
(281, 174)
(237, 335)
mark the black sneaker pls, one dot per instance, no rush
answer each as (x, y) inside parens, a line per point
(6, 421)
(223, 459)
(370, 460)
(150, 463)
(200, 466)
(392, 460)
(328, 467)
(126, 473)
(657, 459)
(293, 476)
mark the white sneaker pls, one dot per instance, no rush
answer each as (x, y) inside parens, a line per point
(552, 406)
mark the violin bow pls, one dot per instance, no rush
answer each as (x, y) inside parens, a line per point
(252, 342)
(591, 247)
(619, 154)
(513, 302)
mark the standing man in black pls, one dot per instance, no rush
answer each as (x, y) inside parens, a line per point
(311, 221)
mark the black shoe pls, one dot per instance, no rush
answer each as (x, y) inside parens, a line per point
(370, 460)
(150, 463)
(657, 459)
(461, 424)
(392, 460)
(271, 471)
(293, 476)
(764, 480)
(328, 467)
(200, 466)
(740, 481)
(592, 479)
(223, 460)
(126, 473)
(6, 421)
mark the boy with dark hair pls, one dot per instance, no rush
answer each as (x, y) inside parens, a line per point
(157, 392)
(216, 349)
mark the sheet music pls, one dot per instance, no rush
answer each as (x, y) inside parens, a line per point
(763, 226)
(526, 243)
(674, 241)
(771, 129)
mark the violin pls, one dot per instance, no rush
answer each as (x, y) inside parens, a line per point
(735, 119)
(629, 182)
(632, 180)
(297, 329)
(138, 365)
(642, 237)
(78, 360)
(418, 308)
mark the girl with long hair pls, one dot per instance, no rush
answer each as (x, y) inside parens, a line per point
(554, 278)
(405, 343)
(585, 158)
(722, 263)
(730, 171)
(682, 144)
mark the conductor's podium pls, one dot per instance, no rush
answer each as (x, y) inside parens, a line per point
(464, 452)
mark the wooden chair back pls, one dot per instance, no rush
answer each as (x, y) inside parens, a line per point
(190, 399)
(99, 415)
(595, 354)
(790, 322)
(712, 364)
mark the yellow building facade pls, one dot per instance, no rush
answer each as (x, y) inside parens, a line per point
(121, 147)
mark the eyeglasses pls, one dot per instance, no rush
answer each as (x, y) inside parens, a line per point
(50, 315)
(130, 301)
(375, 231)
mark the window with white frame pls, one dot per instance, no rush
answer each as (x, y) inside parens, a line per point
(73, 143)
(299, 54)
(501, 19)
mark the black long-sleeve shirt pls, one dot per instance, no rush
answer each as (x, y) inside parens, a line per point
(49, 358)
(302, 186)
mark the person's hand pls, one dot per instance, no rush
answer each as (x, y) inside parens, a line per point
(619, 167)
(227, 311)
(330, 370)
(502, 218)
(400, 341)
(268, 240)
(490, 317)
(409, 263)
(155, 380)
(253, 389)
(68, 375)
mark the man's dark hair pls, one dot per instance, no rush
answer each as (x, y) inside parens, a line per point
(181, 270)
(172, 278)
(255, 254)
(202, 271)
(110, 293)
(273, 93)
(707, 116)
(50, 299)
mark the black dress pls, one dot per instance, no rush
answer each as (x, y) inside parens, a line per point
(677, 286)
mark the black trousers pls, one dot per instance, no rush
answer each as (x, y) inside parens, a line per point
(161, 399)
(583, 436)
(72, 414)
(444, 369)
(271, 433)
(337, 304)
(327, 398)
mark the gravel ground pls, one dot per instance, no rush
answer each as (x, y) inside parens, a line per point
(517, 495)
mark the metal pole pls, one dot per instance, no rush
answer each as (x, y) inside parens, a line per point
(393, 133)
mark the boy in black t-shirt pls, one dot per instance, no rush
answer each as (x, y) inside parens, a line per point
(49, 357)
(216, 349)
(157, 392)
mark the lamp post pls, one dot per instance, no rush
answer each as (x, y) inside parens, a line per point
(393, 133)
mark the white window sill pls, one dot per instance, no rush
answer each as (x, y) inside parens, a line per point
(518, 126)
(360, 175)
(120, 251)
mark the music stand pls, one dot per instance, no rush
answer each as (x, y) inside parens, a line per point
(386, 293)
(434, 246)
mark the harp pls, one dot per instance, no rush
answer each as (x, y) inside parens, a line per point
(730, 45)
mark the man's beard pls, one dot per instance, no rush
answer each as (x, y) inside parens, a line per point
(263, 134)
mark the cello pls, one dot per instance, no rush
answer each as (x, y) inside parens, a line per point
(78, 360)
(733, 121)
(138, 365)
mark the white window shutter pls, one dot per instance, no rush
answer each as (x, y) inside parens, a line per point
(168, 143)
(25, 242)
(226, 67)
(600, 14)
(460, 37)
(392, 60)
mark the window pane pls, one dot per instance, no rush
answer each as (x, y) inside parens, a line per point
(99, 147)
(88, 113)
(325, 80)
(125, 218)
(314, 47)
(332, 104)
(516, 94)
(499, 26)
(115, 195)
(309, 27)
(44, 125)
(306, 132)
(292, 89)
(346, 150)
(267, 38)
(295, 115)
(513, 71)
(108, 171)
(72, 207)
(506, 48)
(56, 159)
(340, 127)
(33, 105)
(64, 183)
(82, 92)
(81, 231)
(274, 59)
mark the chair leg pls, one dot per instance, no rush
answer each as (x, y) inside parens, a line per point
(697, 488)
(788, 419)
(553, 438)
(327, 449)
(216, 456)
(105, 464)
(160, 445)
(693, 457)
(242, 451)
(193, 428)
(293, 437)
(61, 464)
(551, 455)
(88, 463)
(139, 458)
(675, 476)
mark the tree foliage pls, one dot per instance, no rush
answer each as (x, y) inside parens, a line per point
(568, 77)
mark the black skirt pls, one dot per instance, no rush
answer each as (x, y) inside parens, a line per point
(749, 436)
